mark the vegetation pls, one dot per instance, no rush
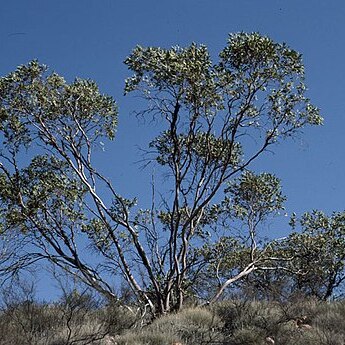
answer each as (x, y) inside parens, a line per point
(178, 262)
(52, 197)
(80, 320)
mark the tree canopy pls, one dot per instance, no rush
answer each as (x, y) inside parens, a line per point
(52, 195)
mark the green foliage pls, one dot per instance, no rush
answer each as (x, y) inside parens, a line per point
(256, 195)
(47, 184)
(255, 61)
(42, 109)
(52, 196)
(48, 130)
(309, 262)
(256, 89)
(317, 254)
(30, 96)
(249, 201)
(185, 69)
(260, 82)
(201, 146)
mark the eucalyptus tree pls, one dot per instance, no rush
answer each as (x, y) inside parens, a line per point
(217, 118)
(249, 202)
(318, 249)
(310, 261)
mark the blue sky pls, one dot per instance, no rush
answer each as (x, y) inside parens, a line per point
(90, 39)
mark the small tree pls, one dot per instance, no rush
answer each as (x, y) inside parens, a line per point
(319, 253)
(249, 201)
(310, 262)
(210, 114)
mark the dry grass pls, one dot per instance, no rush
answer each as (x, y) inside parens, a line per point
(235, 322)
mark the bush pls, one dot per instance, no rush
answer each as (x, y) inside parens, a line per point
(248, 336)
(71, 321)
(237, 315)
(80, 322)
(190, 326)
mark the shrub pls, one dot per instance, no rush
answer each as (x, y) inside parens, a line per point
(191, 326)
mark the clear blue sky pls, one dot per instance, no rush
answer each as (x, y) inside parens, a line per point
(90, 39)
